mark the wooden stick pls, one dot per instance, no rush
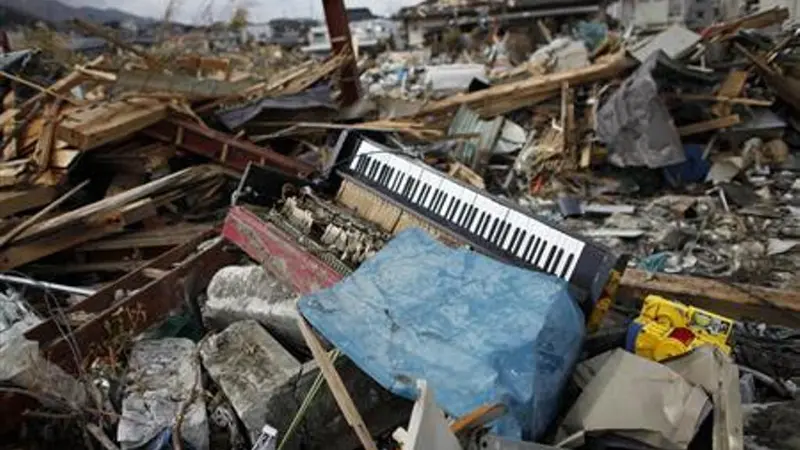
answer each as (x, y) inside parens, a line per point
(337, 386)
(35, 218)
(38, 88)
(709, 125)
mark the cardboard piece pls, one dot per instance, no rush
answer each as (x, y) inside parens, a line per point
(636, 399)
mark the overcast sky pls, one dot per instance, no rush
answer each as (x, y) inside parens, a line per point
(198, 11)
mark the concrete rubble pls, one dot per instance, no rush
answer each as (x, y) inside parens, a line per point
(164, 382)
(249, 365)
(249, 292)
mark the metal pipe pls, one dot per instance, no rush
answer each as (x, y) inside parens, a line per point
(46, 285)
(341, 41)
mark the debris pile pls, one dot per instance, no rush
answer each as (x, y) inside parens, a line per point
(566, 232)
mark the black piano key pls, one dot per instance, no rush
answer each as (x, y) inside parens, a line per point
(368, 163)
(514, 237)
(563, 273)
(550, 255)
(374, 169)
(449, 207)
(495, 224)
(413, 193)
(461, 211)
(359, 168)
(496, 230)
(537, 242)
(443, 197)
(390, 179)
(434, 200)
(467, 214)
(426, 192)
(486, 223)
(481, 219)
(528, 246)
(559, 256)
(406, 187)
(540, 253)
(454, 212)
(382, 174)
(520, 240)
(504, 235)
(472, 215)
(443, 201)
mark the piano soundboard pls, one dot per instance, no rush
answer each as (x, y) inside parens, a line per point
(396, 191)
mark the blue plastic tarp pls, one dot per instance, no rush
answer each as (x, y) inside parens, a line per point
(479, 331)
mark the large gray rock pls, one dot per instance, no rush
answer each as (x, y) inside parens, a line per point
(238, 293)
(248, 365)
(161, 377)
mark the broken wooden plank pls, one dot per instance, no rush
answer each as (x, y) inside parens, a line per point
(44, 146)
(163, 237)
(336, 385)
(188, 86)
(13, 202)
(756, 20)
(41, 89)
(180, 181)
(16, 231)
(709, 125)
(204, 63)
(731, 87)
(508, 97)
(739, 301)
(724, 100)
(93, 125)
(63, 158)
(63, 85)
(63, 239)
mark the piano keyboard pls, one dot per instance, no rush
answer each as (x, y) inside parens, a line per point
(485, 223)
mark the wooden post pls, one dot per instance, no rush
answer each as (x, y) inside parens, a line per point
(337, 386)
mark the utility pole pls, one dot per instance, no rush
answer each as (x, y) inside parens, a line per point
(341, 41)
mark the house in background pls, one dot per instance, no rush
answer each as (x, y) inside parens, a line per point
(369, 32)
(692, 14)
(433, 18)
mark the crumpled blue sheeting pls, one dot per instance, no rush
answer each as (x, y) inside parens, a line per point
(479, 331)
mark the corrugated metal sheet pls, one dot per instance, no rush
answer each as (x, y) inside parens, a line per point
(475, 152)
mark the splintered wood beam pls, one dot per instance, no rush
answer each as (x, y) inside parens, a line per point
(94, 125)
(709, 125)
(63, 239)
(736, 300)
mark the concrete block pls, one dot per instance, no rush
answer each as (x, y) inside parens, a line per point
(161, 377)
(239, 293)
(248, 365)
